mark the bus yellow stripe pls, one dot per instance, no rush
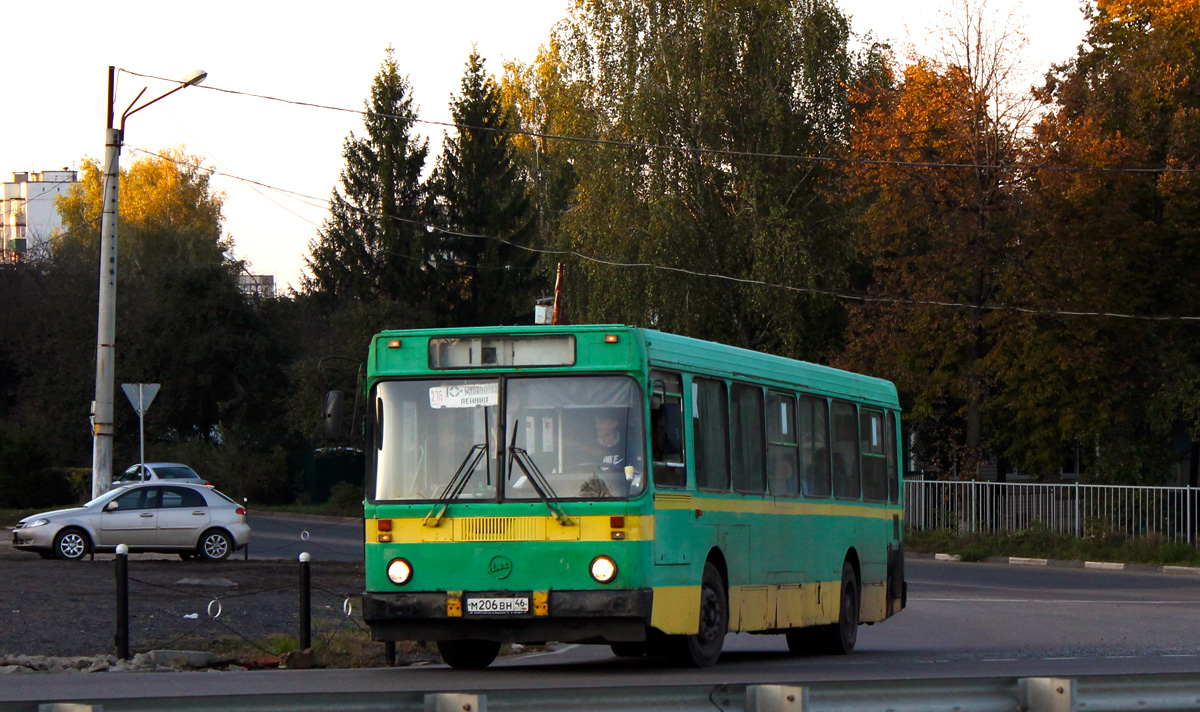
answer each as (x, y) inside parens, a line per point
(582, 528)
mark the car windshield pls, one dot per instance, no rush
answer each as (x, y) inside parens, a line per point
(102, 498)
(435, 439)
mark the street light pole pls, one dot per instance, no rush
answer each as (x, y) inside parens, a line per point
(106, 321)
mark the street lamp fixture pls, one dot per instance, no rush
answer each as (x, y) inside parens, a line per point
(106, 322)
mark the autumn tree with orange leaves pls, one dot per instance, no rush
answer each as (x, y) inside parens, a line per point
(934, 172)
(1114, 228)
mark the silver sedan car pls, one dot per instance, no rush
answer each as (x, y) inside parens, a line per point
(151, 471)
(189, 520)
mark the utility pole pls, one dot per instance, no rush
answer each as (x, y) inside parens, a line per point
(106, 321)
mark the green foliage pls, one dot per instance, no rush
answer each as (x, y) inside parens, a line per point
(480, 189)
(182, 320)
(24, 480)
(346, 499)
(374, 245)
(755, 78)
(256, 474)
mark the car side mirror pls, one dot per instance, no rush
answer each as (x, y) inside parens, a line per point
(331, 425)
(112, 506)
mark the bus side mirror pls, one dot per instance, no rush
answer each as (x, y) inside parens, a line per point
(331, 425)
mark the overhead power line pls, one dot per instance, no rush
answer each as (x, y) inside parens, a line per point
(836, 294)
(699, 150)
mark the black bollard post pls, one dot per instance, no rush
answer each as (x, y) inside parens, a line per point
(305, 602)
(122, 636)
(389, 652)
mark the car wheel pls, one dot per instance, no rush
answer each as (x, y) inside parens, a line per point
(702, 649)
(468, 654)
(71, 544)
(215, 545)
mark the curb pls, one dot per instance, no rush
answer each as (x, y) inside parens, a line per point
(1061, 563)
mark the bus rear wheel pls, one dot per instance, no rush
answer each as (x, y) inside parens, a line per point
(704, 647)
(468, 654)
(840, 637)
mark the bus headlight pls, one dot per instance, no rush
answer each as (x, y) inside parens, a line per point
(399, 571)
(603, 569)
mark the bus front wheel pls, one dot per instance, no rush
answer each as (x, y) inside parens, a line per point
(468, 654)
(704, 647)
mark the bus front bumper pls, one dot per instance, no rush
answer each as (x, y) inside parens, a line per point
(605, 616)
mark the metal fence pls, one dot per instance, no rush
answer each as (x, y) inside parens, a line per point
(1079, 510)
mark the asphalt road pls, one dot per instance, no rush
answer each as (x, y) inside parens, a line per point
(963, 620)
(286, 536)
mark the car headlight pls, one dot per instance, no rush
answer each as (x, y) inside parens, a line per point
(399, 572)
(603, 569)
(35, 523)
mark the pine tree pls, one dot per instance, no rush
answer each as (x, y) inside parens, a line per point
(373, 244)
(481, 190)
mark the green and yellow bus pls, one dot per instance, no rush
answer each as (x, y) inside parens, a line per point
(623, 486)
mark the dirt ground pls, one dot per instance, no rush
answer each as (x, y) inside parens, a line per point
(59, 608)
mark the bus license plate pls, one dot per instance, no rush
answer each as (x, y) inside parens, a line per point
(497, 605)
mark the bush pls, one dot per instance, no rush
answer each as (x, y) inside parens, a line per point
(26, 482)
(261, 478)
(347, 499)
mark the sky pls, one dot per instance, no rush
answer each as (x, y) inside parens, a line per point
(277, 162)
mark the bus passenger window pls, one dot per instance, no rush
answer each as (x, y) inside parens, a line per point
(874, 464)
(846, 481)
(814, 447)
(889, 449)
(710, 429)
(747, 439)
(782, 471)
(666, 430)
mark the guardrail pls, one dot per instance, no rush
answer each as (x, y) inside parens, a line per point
(1079, 510)
(1147, 693)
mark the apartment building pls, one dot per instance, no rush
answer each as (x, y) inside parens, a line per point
(28, 214)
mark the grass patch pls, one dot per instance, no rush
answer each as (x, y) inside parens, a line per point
(1040, 543)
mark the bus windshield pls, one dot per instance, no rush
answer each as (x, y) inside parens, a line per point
(584, 434)
(577, 437)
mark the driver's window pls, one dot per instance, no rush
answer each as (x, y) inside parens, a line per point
(142, 498)
(666, 429)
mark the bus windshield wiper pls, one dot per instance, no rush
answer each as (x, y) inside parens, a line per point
(456, 484)
(536, 478)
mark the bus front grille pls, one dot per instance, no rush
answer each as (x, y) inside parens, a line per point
(501, 529)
